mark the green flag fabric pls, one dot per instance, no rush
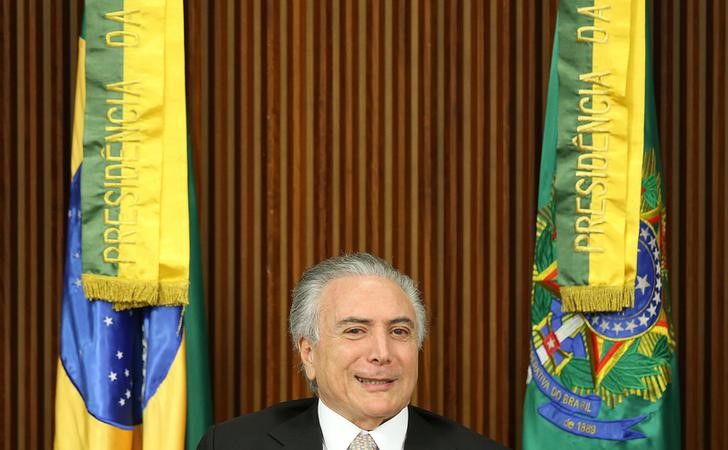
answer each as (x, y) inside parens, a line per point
(199, 392)
(601, 379)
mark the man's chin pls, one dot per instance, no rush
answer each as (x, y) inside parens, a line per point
(382, 410)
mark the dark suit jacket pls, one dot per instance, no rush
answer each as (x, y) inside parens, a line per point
(295, 425)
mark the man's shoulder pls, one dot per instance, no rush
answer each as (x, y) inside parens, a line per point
(448, 432)
(254, 427)
(270, 416)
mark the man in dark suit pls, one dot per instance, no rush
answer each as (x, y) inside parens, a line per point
(358, 325)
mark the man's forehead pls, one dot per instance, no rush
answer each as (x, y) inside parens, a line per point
(362, 284)
(367, 298)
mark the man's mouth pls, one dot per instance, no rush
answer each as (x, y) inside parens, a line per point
(373, 381)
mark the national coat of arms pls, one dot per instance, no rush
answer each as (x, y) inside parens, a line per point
(586, 362)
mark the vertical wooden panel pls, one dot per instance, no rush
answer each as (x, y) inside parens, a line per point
(717, 163)
(37, 56)
(493, 193)
(408, 128)
(694, 168)
(478, 310)
(8, 290)
(8, 279)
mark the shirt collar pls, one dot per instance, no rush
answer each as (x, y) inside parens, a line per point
(390, 435)
(339, 432)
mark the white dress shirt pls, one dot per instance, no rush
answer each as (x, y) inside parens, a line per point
(339, 432)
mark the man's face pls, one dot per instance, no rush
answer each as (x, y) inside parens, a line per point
(365, 362)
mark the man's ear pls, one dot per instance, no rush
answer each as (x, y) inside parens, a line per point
(307, 355)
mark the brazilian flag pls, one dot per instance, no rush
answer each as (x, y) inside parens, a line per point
(133, 369)
(602, 366)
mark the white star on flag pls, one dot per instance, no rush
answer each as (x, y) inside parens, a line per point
(126, 373)
(108, 321)
(617, 327)
(653, 310)
(642, 283)
(122, 402)
(604, 326)
(631, 326)
(77, 282)
(127, 394)
(70, 213)
(76, 255)
(644, 233)
(112, 376)
(652, 243)
(119, 354)
(643, 319)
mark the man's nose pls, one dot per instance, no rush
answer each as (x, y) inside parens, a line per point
(380, 350)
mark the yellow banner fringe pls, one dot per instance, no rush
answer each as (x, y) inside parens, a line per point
(596, 298)
(127, 294)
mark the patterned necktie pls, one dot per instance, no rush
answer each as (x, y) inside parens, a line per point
(363, 442)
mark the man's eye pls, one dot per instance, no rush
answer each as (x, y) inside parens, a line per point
(401, 332)
(354, 331)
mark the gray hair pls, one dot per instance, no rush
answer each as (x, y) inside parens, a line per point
(303, 319)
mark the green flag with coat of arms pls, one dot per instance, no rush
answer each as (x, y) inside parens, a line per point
(602, 370)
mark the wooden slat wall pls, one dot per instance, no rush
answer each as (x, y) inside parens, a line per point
(691, 54)
(407, 128)
(399, 128)
(37, 72)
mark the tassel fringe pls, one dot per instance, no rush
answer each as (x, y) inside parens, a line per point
(596, 298)
(127, 294)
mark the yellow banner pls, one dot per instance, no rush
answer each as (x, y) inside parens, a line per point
(145, 227)
(611, 114)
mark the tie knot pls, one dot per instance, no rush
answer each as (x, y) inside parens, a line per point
(363, 441)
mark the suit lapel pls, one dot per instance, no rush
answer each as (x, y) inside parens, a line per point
(301, 432)
(420, 435)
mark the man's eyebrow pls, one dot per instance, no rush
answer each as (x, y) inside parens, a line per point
(404, 320)
(362, 321)
(354, 320)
